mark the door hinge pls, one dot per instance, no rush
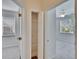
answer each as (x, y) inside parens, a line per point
(19, 38)
(20, 15)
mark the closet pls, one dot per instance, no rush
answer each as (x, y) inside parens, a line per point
(34, 41)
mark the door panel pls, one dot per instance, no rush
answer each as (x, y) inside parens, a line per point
(50, 40)
(11, 30)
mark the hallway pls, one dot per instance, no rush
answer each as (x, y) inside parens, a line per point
(38, 29)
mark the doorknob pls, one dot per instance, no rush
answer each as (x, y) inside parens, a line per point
(19, 38)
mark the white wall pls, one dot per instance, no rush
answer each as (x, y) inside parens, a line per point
(50, 34)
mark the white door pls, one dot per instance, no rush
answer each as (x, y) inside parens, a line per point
(11, 39)
(50, 34)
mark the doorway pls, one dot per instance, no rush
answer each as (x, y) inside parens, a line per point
(34, 41)
(60, 31)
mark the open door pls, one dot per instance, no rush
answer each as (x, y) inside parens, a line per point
(60, 31)
(50, 35)
(12, 23)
